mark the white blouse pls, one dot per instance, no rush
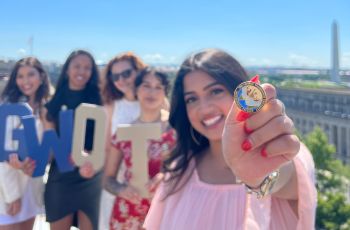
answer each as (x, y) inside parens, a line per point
(14, 183)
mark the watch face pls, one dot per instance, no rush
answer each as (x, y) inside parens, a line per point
(250, 97)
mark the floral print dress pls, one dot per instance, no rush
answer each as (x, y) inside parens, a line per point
(125, 214)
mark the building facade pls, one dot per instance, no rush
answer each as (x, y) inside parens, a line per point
(328, 109)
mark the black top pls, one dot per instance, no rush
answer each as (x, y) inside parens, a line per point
(71, 99)
(66, 193)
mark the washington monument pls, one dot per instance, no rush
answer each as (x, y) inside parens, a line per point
(335, 54)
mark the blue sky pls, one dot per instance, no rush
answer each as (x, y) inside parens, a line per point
(257, 33)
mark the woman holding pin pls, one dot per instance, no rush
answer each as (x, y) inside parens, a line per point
(231, 169)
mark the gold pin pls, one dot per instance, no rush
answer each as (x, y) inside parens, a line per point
(250, 97)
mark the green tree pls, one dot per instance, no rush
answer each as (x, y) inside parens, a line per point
(333, 210)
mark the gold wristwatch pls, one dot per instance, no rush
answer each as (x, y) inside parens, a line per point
(265, 187)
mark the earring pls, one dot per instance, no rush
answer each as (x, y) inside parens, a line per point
(193, 136)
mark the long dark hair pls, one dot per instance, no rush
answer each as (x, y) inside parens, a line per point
(13, 94)
(226, 71)
(91, 90)
(108, 90)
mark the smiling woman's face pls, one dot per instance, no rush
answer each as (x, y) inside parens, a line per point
(151, 93)
(207, 103)
(28, 80)
(127, 75)
(79, 72)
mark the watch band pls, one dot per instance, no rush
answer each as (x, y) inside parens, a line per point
(265, 187)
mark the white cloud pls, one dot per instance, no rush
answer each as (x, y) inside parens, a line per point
(156, 58)
(21, 52)
(300, 60)
(292, 60)
(99, 62)
(102, 58)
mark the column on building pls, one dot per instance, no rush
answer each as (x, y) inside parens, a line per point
(335, 136)
(326, 127)
(339, 144)
(348, 145)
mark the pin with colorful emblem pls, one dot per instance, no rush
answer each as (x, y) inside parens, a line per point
(250, 96)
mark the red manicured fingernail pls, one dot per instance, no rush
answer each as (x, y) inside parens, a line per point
(263, 152)
(255, 79)
(242, 116)
(246, 145)
(246, 129)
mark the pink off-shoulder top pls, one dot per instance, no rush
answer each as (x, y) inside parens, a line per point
(204, 206)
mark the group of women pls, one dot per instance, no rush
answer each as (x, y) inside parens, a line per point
(208, 153)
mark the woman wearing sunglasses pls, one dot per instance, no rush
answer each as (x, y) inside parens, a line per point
(122, 108)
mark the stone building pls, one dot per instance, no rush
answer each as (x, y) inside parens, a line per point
(326, 108)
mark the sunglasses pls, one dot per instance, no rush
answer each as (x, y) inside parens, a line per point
(125, 75)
